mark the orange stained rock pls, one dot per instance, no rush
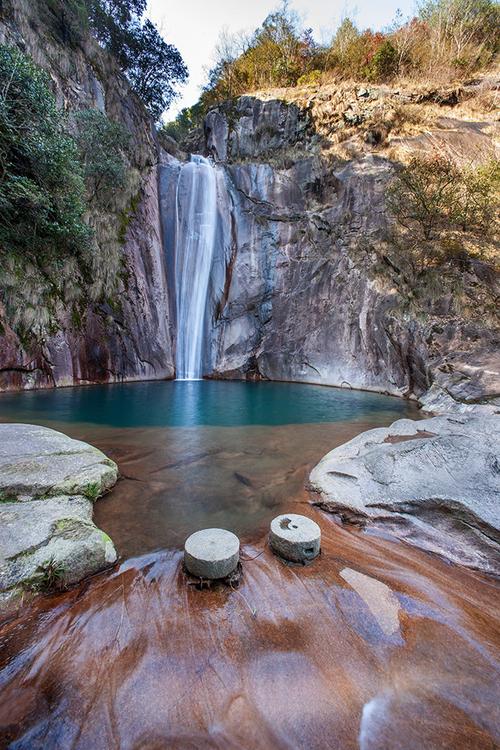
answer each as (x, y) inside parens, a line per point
(374, 645)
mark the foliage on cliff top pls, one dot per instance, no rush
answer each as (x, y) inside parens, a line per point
(48, 253)
(446, 211)
(448, 39)
(153, 67)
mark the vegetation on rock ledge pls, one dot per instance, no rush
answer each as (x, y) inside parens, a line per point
(48, 179)
(447, 40)
(447, 211)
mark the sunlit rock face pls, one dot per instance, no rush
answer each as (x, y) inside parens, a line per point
(302, 237)
(299, 305)
(290, 296)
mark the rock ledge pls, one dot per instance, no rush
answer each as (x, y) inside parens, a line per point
(48, 483)
(434, 483)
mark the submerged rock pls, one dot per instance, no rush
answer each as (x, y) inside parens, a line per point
(48, 482)
(434, 483)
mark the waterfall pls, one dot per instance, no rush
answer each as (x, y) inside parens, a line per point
(196, 222)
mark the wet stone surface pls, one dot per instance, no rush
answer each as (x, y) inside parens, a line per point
(211, 553)
(295, 537)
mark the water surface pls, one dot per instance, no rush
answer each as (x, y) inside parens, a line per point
(194, 454)
(202, 403)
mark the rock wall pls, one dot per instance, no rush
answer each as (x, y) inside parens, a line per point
(303, 287)
(134, 343)
(304, 296)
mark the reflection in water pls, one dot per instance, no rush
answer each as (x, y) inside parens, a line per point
(378, 597)
(201, 403)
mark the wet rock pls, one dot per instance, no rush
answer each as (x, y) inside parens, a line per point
(295, 537)
(379, 598)
(211, 553)
(48, 483)
(58, 533)
(434, 483)
(36, 462)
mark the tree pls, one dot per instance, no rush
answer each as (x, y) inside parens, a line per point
(462, 29)
(153, 67)
(113, 22)
(446, 209)
(343, 41)
(102, 145)
(187, 119)
(476, 207)
(384, 63)
(423, 194)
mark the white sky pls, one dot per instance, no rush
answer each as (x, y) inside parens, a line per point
(194, 26)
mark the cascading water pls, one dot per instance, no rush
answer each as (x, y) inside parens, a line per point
(196, 223)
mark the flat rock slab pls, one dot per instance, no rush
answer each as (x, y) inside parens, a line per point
(435, 483)
(47, 484)
(39, 462)
(294, 537)
(211, 553)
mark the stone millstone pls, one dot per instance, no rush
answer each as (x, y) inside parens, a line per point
(295, 538)
(211, 553)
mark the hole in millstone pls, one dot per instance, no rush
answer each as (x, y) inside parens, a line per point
(294, 526)
(309, 551)
(285, 523)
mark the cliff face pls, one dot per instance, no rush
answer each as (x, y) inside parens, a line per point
(131, 341)
(304, 286)
(310, 292)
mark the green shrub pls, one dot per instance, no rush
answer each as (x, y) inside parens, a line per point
(384, 63)
(187, 119)
(48, 577)
(52, 265)
(313, 78)
(447, 211)
(42, 194)
(103, 146)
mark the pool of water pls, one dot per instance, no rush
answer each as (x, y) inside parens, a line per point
(197, 403)
(203, 453)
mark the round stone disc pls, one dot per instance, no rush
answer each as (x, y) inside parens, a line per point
(295, 537)
(211, 553)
